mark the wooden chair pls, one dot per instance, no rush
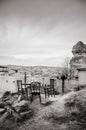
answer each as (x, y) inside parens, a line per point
(35, 90)
(49, 90)
(22, 89)
(19, 85)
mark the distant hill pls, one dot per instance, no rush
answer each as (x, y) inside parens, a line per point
(33, 70)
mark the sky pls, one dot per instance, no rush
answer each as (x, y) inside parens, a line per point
(40, 32)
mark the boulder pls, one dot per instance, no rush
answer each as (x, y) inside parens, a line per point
(2, 110)
(21, 106)
(27, 114)
(1, 104)
(6, 96)
(7, 99)
(4, 117)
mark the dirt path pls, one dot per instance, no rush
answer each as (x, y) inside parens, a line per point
(40, 120)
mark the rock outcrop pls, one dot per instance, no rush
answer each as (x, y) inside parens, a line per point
(79, 48)
(79, 58)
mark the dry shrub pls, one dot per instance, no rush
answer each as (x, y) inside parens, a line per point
(75, 106)
(55, 112)
(73, 110)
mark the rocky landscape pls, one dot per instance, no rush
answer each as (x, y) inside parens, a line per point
(62, 112)
(13, 108)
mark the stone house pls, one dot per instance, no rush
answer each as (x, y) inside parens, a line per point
(8, 83)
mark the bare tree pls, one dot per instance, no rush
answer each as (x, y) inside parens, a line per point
(66, 67)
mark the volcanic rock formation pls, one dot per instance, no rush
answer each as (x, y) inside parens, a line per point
(79, 55)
